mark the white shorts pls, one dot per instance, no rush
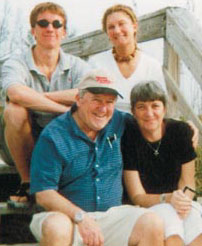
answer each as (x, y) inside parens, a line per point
(116, 224)
(188, 229)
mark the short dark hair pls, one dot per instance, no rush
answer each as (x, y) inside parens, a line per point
(147, 91)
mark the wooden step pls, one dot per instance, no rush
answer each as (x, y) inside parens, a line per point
(6, 169)
(23, 208)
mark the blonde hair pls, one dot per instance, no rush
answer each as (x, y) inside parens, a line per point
(118, 8)
(47, 6)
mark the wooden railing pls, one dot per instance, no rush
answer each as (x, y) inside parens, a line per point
(182, 40)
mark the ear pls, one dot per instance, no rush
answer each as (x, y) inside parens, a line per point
(132, 109)
(78, 99)
(165, 110)
(64, 34)
(33, 31)
(135, 26)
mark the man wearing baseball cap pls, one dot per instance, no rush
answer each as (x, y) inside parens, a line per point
(76, 175)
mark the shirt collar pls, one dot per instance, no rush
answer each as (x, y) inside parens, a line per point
(64, 61)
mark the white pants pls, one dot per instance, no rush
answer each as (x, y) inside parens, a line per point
(188, 229)
(116, 224)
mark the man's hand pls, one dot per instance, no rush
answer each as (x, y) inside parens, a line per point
(181, 203)
(90, 232)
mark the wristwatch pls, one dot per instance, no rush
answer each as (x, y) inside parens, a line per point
(79, 216)
(163, 198)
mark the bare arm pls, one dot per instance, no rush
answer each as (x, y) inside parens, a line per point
(137, 192)
(31, 99)
(195, 137)
(180, 201)
(65, 97)
(51, 200)
(187, 177)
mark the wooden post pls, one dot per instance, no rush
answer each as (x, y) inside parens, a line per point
(171, 64)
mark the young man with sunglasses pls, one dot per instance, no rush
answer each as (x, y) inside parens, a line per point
(37, 86)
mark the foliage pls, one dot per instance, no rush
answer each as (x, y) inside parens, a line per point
(199, 169)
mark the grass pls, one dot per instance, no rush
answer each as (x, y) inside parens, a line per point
(198, 175)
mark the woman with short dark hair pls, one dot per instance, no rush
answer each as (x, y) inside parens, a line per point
(159, 163)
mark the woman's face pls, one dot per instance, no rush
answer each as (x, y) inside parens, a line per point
(120, 29)
(149, 115)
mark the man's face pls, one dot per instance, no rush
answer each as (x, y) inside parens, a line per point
(95, 111)
(49, 37)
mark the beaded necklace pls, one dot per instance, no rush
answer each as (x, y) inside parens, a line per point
(127, 58)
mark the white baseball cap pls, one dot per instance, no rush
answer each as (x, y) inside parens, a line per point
(99, 81)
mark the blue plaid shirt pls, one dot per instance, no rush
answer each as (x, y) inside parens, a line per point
(87, 173)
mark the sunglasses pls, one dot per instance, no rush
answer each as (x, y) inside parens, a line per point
(44, 23)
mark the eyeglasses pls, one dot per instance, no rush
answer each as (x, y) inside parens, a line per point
(190, 189)
(44, 23)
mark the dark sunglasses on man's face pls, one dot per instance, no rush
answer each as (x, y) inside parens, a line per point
(44, 23)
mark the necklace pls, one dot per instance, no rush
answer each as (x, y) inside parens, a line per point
(155, 151)
(127, 58)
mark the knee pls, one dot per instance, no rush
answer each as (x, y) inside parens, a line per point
(152, 223)
(149, 228)
(57, 226)
(15, 116)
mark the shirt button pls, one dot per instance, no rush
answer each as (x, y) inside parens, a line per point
(98, 197)
(96, 165)
(96, 148)
(97, 179)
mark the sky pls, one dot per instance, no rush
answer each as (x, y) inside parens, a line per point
(85, 15)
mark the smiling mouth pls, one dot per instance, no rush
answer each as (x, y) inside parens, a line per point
(49, 36)
(120, 37)
(100, 117)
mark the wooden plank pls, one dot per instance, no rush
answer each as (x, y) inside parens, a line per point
(22, 209)
(87, 44)
(184, 35)
(182, 105)
(171, 63)
(151, 26)
(6, 169)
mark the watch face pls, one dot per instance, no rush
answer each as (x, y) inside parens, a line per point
(79, 216)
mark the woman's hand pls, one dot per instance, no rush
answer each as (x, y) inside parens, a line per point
(181, 203)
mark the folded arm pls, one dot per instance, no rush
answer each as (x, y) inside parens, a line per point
(31, 99)
(65, 97)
